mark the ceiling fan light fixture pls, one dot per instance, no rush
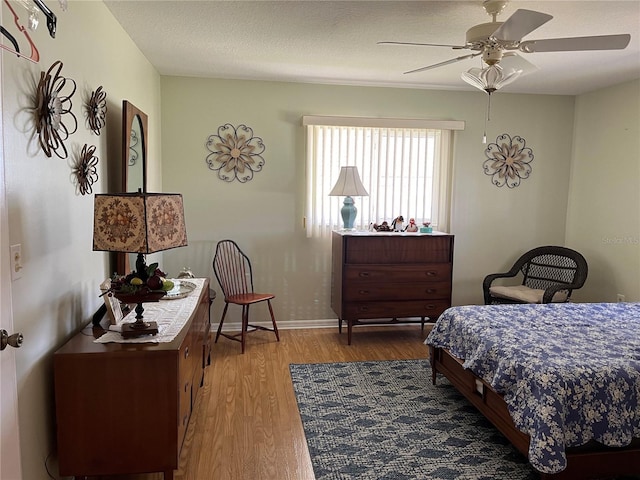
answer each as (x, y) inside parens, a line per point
(491, 78)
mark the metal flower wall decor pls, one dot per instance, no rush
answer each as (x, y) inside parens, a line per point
(134, 139)
(85, 171)
(53, 106)
(235, 153)
(97, 110)
(508, 161)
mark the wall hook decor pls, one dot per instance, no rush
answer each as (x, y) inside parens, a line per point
(508, 161)
(97, 110)
(85, 171)
(52, 107)
(235, 153)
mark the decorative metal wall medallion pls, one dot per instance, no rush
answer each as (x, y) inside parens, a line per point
(97, 110)
(52, 105)
(85, 171)
(235, 153)
(508, 161)
(134, 140)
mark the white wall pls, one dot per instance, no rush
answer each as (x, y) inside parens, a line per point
(603, 219)
(58, 291)
(493, 226)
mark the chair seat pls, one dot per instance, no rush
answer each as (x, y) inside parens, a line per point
(525, 294)
(249, 298)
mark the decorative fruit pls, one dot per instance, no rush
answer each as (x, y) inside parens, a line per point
(154, 282)
(167, 285)
(136, 281)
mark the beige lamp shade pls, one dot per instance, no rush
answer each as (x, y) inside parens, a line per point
(138, 222)
(348, 184)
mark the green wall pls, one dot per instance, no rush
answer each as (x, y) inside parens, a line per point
(603, 220)
(492, 225)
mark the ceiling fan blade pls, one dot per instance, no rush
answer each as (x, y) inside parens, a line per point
(521, 23)
(422, 44)
(513, 61)
(442, 64)
(573, 44)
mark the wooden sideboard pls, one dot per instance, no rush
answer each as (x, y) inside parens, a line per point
(390, 276)
(123, 408)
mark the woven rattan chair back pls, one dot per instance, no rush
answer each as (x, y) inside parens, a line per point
(234, 273)
(550, 268)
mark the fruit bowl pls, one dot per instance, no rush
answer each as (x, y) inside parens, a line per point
(141, 296)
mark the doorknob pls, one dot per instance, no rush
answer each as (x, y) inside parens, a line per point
(14, 340)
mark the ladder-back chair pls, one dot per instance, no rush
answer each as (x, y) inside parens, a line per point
(235, 276)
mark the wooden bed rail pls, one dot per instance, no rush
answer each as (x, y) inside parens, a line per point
(589, 461)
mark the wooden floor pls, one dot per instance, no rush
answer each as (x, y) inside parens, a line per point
(246, 424)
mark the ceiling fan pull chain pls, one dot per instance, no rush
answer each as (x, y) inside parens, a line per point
(487, 119)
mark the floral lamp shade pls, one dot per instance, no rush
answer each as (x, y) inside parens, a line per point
(138, 222)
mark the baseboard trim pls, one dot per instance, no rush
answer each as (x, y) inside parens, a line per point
(302, 324)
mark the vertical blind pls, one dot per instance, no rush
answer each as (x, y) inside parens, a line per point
(406, 171)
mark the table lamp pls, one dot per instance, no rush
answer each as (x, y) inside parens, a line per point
(348, 184)
(139, 223)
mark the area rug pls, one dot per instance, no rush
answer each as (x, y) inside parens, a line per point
(386, 421)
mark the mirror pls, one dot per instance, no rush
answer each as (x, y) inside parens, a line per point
(134, 164)
(134, 148)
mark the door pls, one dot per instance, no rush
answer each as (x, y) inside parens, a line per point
(9, 434)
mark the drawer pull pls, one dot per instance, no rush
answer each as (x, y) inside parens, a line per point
(430, 307)
(430, 290)
(431, 273)
(364, 292)
(186, 352)
(364, 274)
(186, 387)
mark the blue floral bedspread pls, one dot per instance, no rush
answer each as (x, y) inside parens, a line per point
(569, 373)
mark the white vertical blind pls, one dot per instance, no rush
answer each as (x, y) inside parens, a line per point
(406, 171)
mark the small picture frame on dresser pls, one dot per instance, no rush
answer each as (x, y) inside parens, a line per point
(114, 310)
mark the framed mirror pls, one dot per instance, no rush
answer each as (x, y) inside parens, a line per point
(134, 148)
(134, 164)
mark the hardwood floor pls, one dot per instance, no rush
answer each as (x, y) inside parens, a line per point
(246, 424)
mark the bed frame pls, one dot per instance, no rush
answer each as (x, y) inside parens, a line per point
(590, 461)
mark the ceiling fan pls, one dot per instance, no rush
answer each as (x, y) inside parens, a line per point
(500, 42)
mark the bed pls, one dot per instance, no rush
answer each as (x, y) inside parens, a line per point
(560, 381)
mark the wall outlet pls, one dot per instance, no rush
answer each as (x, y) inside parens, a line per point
(620, 298)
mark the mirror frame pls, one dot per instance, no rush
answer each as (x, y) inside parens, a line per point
(129, 113)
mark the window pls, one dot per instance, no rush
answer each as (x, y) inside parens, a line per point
(404, 165)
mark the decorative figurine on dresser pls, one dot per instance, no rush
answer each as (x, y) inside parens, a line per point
(386, 277)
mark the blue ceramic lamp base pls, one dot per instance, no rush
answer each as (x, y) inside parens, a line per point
(348, 212)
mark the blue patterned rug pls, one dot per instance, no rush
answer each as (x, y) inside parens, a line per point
(386, 421)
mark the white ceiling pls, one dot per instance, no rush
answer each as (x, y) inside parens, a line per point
(334, 42)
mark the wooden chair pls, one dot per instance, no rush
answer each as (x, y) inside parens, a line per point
(550, 274)
(233, 271)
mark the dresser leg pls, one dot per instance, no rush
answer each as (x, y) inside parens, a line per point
(339, 325)
(168, 475)
(349, 328)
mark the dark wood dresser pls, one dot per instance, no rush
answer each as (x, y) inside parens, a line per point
(390, 276)
(123, 408)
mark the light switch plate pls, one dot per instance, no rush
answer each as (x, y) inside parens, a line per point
(16, 261)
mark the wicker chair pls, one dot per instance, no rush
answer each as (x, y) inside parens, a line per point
(235, 276)
(550, 274)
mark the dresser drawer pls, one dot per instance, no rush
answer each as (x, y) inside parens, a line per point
(398, 309)
(394, 249)
(361, 274)
(397, 291)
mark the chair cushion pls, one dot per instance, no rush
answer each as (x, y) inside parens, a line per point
(525, 294)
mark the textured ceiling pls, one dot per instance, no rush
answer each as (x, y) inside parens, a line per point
(334, 42)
